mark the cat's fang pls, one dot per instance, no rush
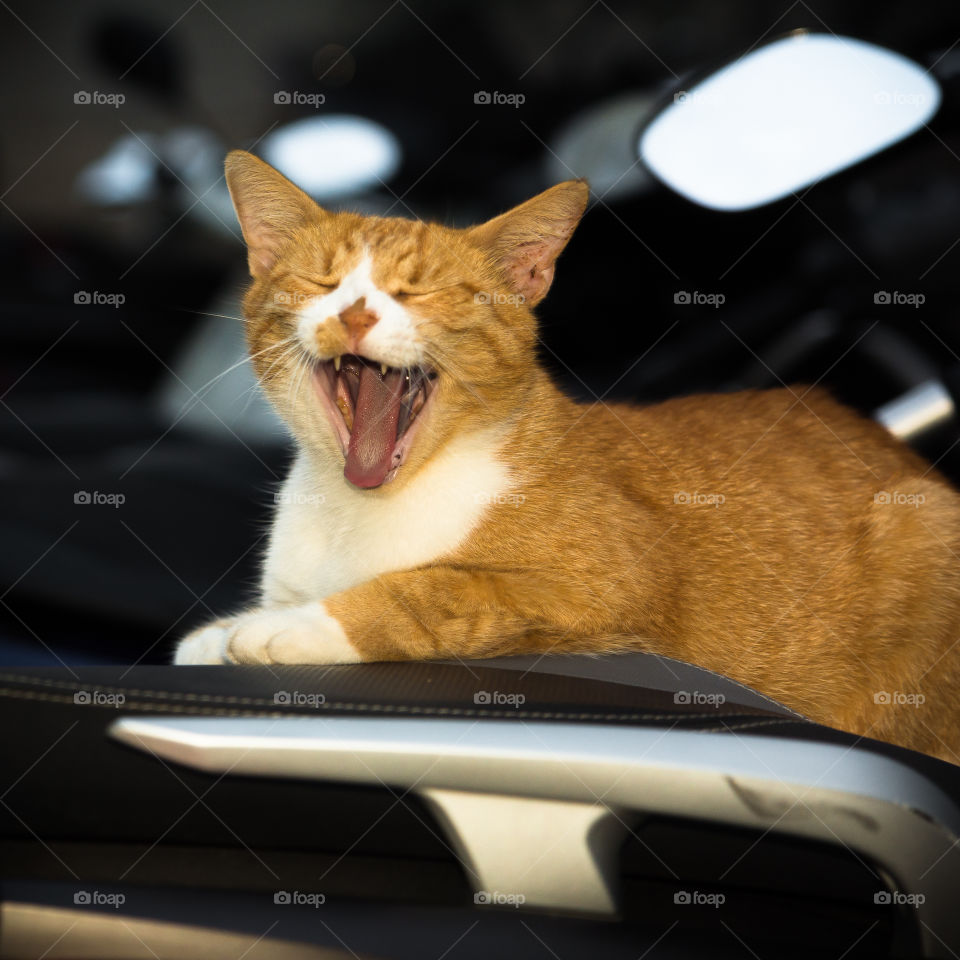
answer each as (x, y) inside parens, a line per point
(336, 364)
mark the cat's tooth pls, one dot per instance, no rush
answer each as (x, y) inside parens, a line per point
(336, 364)
(383, 369)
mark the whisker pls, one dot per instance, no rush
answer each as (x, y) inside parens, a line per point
(245, 359)
(305, 369)
(291, 350)
(219, 316)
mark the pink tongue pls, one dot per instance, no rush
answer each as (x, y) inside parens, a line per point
(374, 432)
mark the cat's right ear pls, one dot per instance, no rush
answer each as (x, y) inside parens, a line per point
(269, 208)
(526, 241)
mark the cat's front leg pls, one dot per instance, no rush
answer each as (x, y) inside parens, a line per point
(417, 614)
(426, 614)
(205, 645)
(304, 633)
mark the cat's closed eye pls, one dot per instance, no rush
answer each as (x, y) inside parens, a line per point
(406, 293)
(328, 284)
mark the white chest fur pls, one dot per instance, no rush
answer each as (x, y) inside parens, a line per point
(328, 535)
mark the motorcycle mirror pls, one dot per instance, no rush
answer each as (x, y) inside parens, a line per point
(785, 116)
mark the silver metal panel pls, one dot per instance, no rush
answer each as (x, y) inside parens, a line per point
(520, 851)
(883, 810)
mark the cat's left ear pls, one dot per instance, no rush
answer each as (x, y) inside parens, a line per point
(527, 240)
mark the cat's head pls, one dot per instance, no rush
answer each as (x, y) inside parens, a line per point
(378, 339)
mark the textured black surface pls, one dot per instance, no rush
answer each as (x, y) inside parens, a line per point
(415, 688)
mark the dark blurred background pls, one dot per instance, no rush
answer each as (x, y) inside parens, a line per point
(136, 492)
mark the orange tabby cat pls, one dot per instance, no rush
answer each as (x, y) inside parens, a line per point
(447, 500)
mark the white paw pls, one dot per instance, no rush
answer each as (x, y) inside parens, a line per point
(302, 634)
(206, 645)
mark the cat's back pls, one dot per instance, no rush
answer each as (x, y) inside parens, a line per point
(775, 437)
(776, 464)
(767, 487)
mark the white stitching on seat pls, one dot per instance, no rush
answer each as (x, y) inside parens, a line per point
(404, 709)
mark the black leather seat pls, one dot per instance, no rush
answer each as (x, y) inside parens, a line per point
(202, 795)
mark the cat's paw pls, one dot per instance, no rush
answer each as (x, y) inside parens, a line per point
(205, 645)
(301, 634)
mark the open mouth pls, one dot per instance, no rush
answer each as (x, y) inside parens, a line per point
(375, 410)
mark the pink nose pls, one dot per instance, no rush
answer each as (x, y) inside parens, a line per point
(358, 319)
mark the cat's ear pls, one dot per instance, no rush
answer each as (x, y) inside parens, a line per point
(527, 240)
(269, 208)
